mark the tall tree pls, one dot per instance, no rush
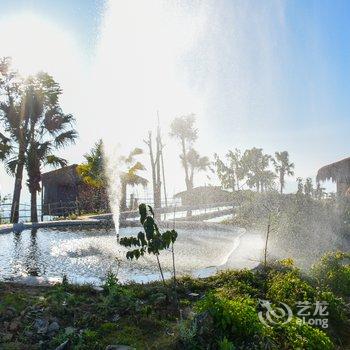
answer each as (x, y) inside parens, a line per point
(319, 192)
(39, 155)
(131, 170)
(156, 165)
(308, 187)
(283, 167)
(225, 173)
(232, 171)
(49, 130)
(196, 163)
(235, 162)
(15, 110)
(256, 165)
(183, 129)
(300, 186)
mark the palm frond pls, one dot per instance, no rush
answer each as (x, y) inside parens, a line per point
(65, 138)
(136, 167)
(5, 147)
(11, 166)
(55, 161)
(135, 152)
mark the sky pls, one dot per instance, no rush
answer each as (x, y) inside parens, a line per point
(269, 74)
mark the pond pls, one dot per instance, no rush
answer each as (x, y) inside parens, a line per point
(86, 255)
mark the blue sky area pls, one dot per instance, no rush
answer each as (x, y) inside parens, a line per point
(276, 74)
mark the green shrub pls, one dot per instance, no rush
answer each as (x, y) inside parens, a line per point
(297, 335)
(238, 288)
(234, 319)
(337, 309)
(333, 272)
(289, 288)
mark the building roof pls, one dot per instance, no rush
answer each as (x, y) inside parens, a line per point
(63, 176)
(337, 172)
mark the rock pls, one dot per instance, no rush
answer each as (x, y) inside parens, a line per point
(64, 346)
(119, 347)
(53, 327)
(193, 296)
(41, 325)
(98, 289)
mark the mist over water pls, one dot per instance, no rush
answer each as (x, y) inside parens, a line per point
(174, 57)
(138, 70)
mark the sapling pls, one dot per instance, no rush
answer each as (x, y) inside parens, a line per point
(151, 241)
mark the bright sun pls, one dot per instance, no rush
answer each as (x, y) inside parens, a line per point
(34, 44)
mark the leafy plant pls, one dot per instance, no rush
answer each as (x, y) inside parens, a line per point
(234, 319)
(296, 335)
(333, 272)
(289, 288)
(151, 241)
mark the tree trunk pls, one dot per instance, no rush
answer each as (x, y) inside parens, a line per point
(33, 207)
(17, 189)
(184, 155)
(281, 183)
(123, 197)
(155, 167)
(158, 195)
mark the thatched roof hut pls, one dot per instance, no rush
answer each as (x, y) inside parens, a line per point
(65, 185)
(338, 172)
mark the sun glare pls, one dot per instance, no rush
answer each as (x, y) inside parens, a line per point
(34, 44)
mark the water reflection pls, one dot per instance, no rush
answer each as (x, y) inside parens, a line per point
(32, 258)
(26, 255)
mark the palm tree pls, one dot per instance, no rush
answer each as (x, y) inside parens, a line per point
(92, 171)
(183, 129)
(283, 167)
(196, 163)
(49, 130)
(15, 110)
(130, 175)
(231, 173)
(225, 173)
(255, 165)
(39, 155)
